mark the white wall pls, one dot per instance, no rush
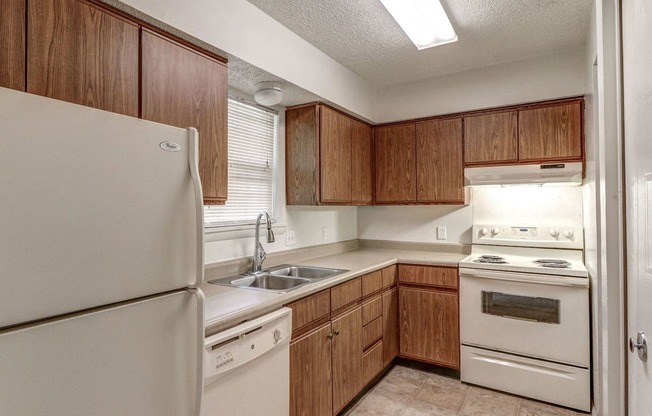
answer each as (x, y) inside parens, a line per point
(240, 29)
(415, 223)
(535, 79)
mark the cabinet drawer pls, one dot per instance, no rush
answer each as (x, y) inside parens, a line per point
(372, 283)
(310, 309)
(445, 277)
(372, 332)
(346, 294)
(372, 363)
(389, 276)
(372, 309)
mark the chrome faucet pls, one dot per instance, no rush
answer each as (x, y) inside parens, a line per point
(259, 252)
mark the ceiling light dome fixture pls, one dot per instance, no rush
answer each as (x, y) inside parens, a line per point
(268, 93)
(424, 21)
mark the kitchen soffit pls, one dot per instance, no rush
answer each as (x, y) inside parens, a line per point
(363, 36)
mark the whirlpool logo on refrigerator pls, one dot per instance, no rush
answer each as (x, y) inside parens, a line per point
(170, 146)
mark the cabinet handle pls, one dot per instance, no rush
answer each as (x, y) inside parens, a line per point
(337, 332)
(330, 336)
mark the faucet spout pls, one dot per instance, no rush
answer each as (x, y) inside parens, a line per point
(259, 255)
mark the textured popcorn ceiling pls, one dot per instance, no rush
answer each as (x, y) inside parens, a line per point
(362, 35)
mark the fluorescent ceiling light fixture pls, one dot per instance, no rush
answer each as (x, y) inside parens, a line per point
(424, 21)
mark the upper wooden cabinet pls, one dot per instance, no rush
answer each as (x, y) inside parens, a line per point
(420, 163)
(533, 133)
(335, 152)
(550, 132)
(185, 88)
(12, 44)
(328, 157)
(395, 148)
(79, 53)
(491, 138)
(440, 162)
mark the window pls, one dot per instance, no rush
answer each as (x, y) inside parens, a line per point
(252, 131)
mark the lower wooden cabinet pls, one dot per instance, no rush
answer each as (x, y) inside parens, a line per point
(346, 358)
(390, 326)
(430, 326)
(372, 362)
(311, 391)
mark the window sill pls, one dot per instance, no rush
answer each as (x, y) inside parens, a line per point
(233, 232)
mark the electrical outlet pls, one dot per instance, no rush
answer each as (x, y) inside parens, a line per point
(441, 232)
(290, 238)
(324, 233)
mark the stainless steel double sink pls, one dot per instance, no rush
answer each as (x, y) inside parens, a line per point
(279, 279)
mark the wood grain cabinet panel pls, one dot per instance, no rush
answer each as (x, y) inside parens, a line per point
(346, 294)
(444, 277)
(491, 138)
(372, 283)
(429, 326)
(395, 164)
(185, 88)
(310, 309)
(372, 363)
(362, 174)
(551, 132)
(390, 326)
(347, 358)
(302, 169)
(372, 332)
(79, 53)
(372, 309)
(439, 161)
(311, 392)
(328, 157)
(389, 276)
(12, 44)
(335, 156)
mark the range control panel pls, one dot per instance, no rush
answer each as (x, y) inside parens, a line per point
(529, 236)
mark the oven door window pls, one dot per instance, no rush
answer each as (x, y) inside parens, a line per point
(521, 307)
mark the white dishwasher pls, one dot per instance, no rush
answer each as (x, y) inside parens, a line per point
(247, 368)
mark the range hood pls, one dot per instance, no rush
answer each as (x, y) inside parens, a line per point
(543, 174)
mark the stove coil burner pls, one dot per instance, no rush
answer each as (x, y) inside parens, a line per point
(488, 259)
(553, 263)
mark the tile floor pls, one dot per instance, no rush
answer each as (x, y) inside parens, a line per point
(406, 391)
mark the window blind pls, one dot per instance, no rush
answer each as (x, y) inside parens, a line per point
(251, 134)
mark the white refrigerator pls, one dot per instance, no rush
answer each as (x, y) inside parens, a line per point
(101, 257)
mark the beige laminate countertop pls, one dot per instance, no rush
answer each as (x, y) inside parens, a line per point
(226, 307)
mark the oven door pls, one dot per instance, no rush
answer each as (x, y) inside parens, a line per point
(538, 316)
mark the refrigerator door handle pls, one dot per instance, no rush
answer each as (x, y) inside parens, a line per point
(199, 382)
(193, 156)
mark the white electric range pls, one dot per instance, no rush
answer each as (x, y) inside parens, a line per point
(524, 313)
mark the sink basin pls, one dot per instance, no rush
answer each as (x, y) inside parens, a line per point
(279, 279)
(270, 282)
(308, 272)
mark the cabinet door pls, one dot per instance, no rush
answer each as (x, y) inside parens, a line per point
(302, 156)
(395, 164)
(347, 358)
(310, 374)
(12, 44)
(82, 54)
(184, 88)
(553, 132)
(491, 138)
(362, 143)
(335, 144)
(430, 326)
(390, 326)
(440, 165)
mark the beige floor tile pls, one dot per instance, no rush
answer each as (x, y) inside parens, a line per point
(409, 373)
(489, 403)
(445, 395)
(381, 402)
(397, 385)
(532, 408)
(421, 408)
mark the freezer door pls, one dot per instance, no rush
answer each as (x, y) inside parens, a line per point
(96, 208)
(141, 358)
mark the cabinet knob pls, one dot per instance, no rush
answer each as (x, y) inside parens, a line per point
(330, 336)
(337, 332)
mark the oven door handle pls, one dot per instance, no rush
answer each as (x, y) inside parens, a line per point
(552, 280)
